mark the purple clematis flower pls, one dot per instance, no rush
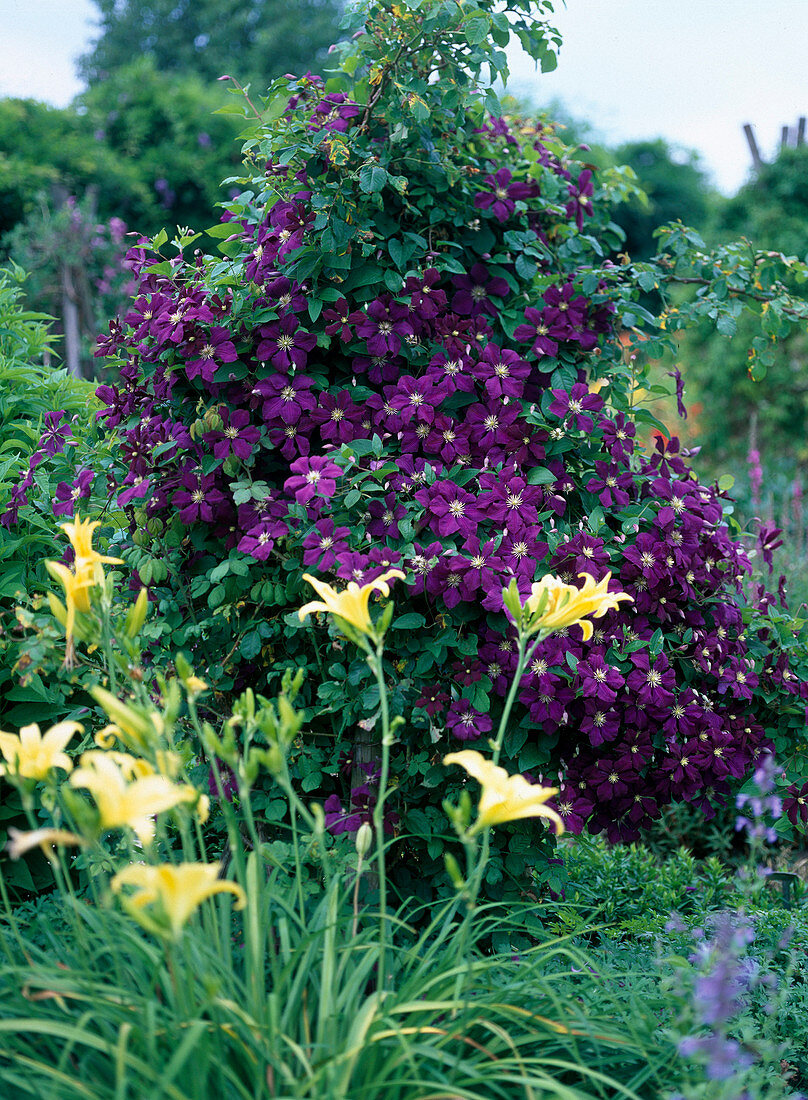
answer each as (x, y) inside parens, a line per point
(237, 436)
(314, 475)
(207, 351)
(285, 343)
(504, 194)
(68, 494)
(576, 405)
(467, 723)
(473, 290)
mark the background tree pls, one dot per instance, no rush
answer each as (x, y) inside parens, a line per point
(41, 146)
(166, 124)
(772, 208)
(255, 40)
(745, 405)
(678, 189)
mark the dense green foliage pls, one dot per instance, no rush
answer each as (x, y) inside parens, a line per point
(59, 148)
(146, 144)
(631, 896)
(32, 687)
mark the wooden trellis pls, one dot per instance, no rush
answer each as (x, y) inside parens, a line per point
(788, 137)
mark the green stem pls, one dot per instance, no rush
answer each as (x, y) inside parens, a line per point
(523, 660)
(475, 877)
(298, 868)
(375, 662)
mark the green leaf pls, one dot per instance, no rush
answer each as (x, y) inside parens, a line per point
(540, 476)
(525, 268)
(372, 178)
(393, 281)
(250, 645)
(646, 280)
(411, 621)
(399, 253)
(477, 28)
(163, 268)
(223, 229)
(217, 596)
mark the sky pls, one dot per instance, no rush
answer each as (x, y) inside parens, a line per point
(691, 71)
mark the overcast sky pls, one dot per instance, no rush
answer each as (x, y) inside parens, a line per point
(692, 71)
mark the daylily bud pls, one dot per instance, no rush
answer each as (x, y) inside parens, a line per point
(364, 839)
(136, 615)
(58, 609)
(512, 601)
(137, 729)
(453, 871)
(319, 818)
(184, 670)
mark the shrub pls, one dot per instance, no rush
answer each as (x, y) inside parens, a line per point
(49, 446)
(411, 352)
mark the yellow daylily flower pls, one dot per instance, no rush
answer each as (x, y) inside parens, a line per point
(177, 888)
(166, 763)
(132, 767)
(77, 587)
(80, 533)
(558, 604)
(504, 797)
(32, 755)
(122, 802)
(78, 581)
(351, 604)
(19, 842)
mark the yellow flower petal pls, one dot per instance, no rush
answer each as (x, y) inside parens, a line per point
(80, 533)
(350, 604)
(556, 605)
(121, 803)
(178, 889)
(31, 755)
(19, 843)
(504, 797)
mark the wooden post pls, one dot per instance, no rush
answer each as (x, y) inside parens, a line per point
(801, 130)
(753, 145)
(366, 763)
(784, 137)
(70, 309)
(70, 320)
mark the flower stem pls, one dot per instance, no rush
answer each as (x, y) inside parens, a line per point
(375, 662)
